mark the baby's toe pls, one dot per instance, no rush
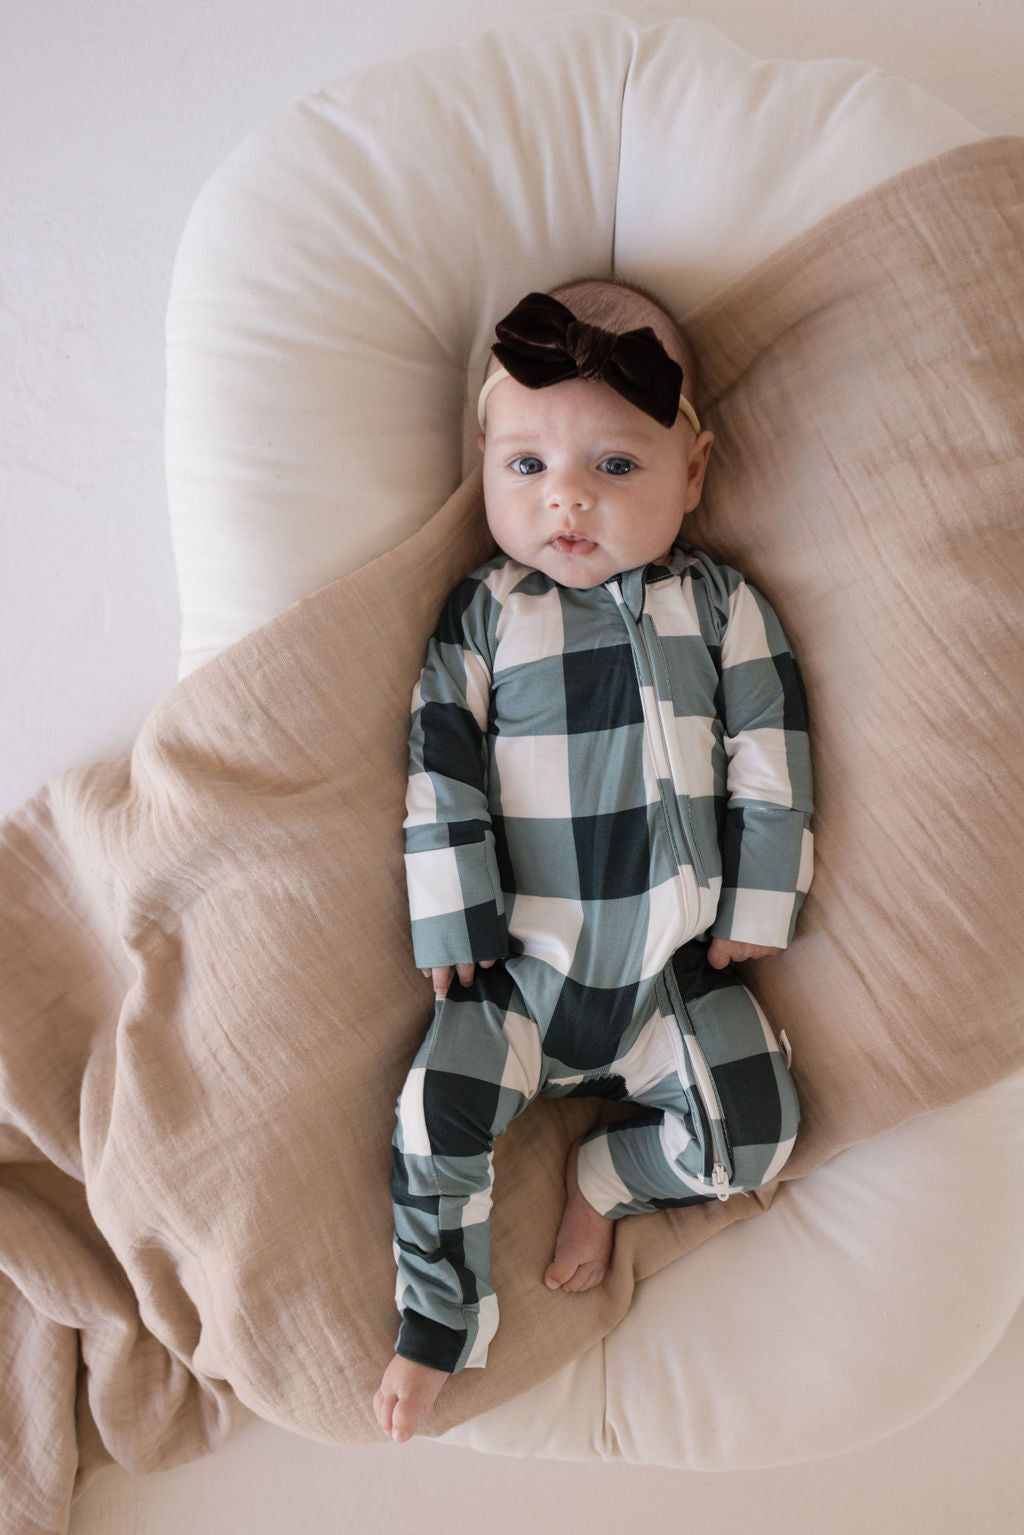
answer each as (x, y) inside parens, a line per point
(383, 1408)
(586, 1277)
(403, 1422)
(559, 1272)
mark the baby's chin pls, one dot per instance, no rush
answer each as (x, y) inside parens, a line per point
(581, 579)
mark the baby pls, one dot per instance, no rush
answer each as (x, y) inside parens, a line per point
(609, 803)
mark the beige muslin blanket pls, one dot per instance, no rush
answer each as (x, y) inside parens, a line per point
(208, 995)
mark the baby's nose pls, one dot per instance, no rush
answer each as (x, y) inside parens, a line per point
(568, 491)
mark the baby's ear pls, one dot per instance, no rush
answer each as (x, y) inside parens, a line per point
(697, 468)
(480, 441)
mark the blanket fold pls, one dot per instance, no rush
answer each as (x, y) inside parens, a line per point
(206, 979)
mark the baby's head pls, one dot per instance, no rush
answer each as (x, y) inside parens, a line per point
(593, 453)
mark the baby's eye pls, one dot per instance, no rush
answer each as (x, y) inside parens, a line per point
(617, 464)
(526, 463)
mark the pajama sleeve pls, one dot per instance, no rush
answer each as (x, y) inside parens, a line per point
(767, 848)
(455, 898)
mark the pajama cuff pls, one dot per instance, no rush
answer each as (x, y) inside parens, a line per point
(465, 938)
(425, 1341)
(763, 917)
(599, 1183)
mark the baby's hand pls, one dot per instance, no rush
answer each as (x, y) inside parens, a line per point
(724, 951)
(441, 975)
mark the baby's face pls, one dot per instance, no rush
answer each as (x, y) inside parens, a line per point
(580, 484)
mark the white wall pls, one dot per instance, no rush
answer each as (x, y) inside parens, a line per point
(113, 112)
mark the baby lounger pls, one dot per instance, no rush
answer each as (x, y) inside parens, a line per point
(332, 308)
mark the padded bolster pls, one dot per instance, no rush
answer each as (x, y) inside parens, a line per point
(861, 1312)
(334, 278)
(754, 151)
(340, 275)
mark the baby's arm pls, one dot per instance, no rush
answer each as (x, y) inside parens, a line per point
(455, 896)
(766, 843)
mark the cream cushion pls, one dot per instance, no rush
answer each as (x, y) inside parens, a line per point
(340, 276)
(332, 307)
(840, 1315)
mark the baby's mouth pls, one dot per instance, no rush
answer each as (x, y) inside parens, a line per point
(573, 544)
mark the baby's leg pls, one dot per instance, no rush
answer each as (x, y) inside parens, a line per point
(722, 1111)
(478, 1067)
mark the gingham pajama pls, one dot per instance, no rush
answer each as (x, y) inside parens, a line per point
(601, 781)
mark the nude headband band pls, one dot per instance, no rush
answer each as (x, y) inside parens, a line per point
(502, 373)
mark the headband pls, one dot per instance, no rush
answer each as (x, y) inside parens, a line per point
(540, 343)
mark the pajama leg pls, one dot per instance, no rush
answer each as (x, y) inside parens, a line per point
(478, 1068)
(722, 1111)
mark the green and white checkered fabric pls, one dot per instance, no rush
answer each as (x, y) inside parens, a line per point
(598, 776)
(599, 781)
(719, 1117)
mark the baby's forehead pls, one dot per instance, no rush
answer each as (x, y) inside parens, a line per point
(584, 411)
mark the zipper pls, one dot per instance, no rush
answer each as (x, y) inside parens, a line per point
(700, 1072)
(665, 769)
(704, 1083)
(704, 1086)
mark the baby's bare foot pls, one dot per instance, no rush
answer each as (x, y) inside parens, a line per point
(584, 1242)
(406, 1394)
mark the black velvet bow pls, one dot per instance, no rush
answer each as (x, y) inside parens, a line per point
(541, 342)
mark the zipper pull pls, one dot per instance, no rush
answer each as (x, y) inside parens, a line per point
(720, 1182)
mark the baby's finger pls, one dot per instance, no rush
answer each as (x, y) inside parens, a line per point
(718, 954)
(440, 976)
(465, 974)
